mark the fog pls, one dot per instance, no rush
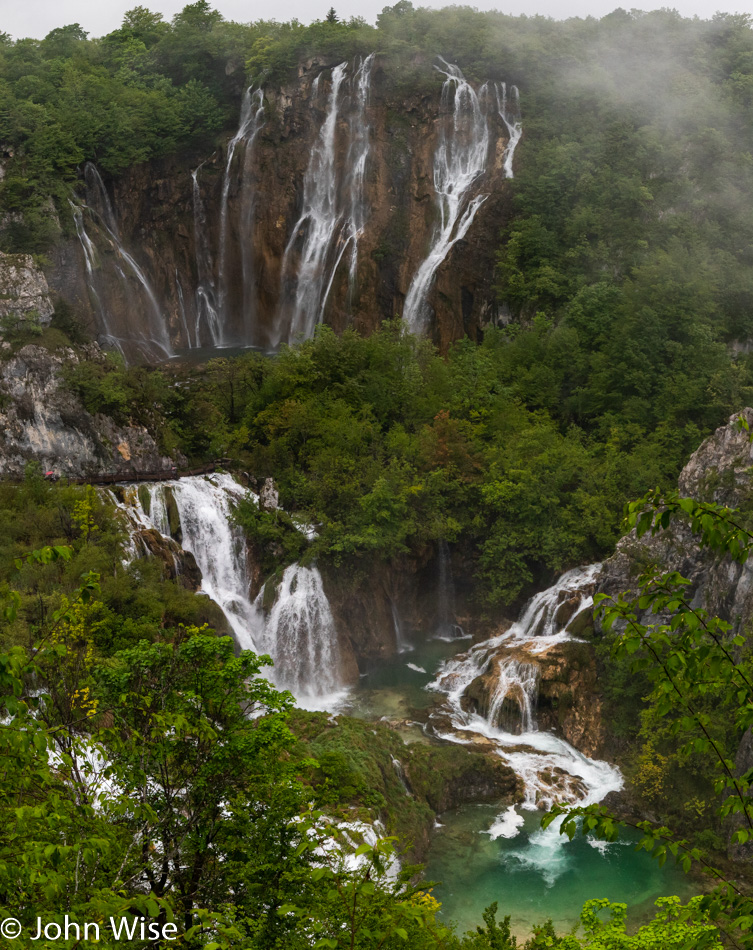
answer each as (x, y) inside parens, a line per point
(36, 18)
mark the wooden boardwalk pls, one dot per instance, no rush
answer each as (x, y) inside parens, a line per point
(157, 475)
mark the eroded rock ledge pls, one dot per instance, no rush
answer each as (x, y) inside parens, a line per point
(42, 421)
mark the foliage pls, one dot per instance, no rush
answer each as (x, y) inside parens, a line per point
(701, 684)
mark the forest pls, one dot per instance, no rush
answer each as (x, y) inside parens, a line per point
(150, 769)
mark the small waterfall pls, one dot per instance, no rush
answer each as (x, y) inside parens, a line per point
(204, 507)
(447, 628)
(509, 112)
(251, 122)
(310, 244)
(543, 755)
(397, 765)
(152, 339)
(459, 161)
(301, 637)
(90, 260)
(518, 687)
(401, 644)
(207, 315)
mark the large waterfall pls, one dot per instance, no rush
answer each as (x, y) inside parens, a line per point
(252, 120)
(298, 632)
(146, 332)
(460, 159)
(270, 255)
(333, 213)
(535, 756)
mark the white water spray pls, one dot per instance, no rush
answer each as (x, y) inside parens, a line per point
(537, 757)
(316, 228)
(251, 123)
(459, 162)
(301, 637)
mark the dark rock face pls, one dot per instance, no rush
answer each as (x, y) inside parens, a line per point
(155, 209)
(177, 563)
(42, 421)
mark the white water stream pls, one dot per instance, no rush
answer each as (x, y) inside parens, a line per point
(147, 330)
(334, 213)
(299, 631)
(251, 123)
(460, 160)
(533, 755)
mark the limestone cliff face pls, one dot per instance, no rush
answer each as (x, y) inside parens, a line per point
(23, 289)
(41, 420)
(229, 232)
(720, 470)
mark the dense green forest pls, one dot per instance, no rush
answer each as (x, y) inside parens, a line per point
(624, 277)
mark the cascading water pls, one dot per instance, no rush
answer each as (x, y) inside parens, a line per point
(509, 111)
(517, 685)
(358, 153)
(447, 627)
(300, 635)
(533, 755)
(207, 326)
(401, 643)
(148, 336)
(313, 235)
(204, 506)
(460, 160)
(251, 123)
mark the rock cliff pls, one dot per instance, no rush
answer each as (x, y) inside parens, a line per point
(24, 293)
(42, 421)
(720, 471)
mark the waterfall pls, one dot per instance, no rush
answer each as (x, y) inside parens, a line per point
(204, 508)
(251, 122)
(301, 637)
(358, 153)
(459, 162)
(447, 628)
(401, 644)
(151, 339)
(207, 315)
(90, 260)
(299, 633)
(534, 756)
(316, 228)
(510, 114)
(517, 685)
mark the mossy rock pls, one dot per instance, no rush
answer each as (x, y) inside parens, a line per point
(146, 499)
(173, 517)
